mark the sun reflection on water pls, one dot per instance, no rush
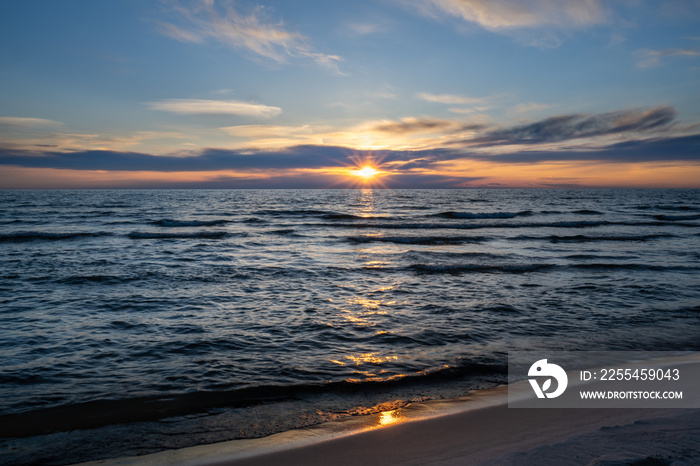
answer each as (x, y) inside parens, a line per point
(390, 417)
(368, 312)
(365, 358)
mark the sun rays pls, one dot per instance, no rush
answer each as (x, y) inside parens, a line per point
(367, 172)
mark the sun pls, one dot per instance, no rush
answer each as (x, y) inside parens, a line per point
(366, 172)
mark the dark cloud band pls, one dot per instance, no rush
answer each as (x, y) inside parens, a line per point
(577, 126)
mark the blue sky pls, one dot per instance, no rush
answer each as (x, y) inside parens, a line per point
(433, 93)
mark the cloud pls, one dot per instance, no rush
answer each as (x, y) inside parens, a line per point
(362, 29)
(577, 126)
(529, 107)
(415, 146)
(257, 162)
(174, 32)
(266, 131)
(548, 40)
(477, 104)
(382, 95)
(20, 122)
(451, 99)
(477, 135)
(649, 58)
(684, 148)
(423, 125)
(515, 14)
(65, 141)
(405, 134)
(462, 111)
(206, 160)
(214, 107)
(251, 32)
(309, 157)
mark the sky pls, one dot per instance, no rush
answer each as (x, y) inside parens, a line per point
(307, 93)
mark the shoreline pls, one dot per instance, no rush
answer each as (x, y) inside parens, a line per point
(478, 428)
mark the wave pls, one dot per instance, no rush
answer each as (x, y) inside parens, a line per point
(292, 213)
(113, 205)
(479, 215)
(413, 207)
(166, 222)
(97, 279)
(419, 240)
(578, 257)
(284, 232)
(413, 255)
(479, 268)
(48, 236)
(103, 412)
(677, 217)
(677, 208)
(587, 212)
(468, 226)
(689, 311)
(335, 216)
(343, 217)
(92, 213)
(474, 226)
(633, 266)
(577, 212)
(458, 269)
(200, 234)
(324, 214)
(588, 239)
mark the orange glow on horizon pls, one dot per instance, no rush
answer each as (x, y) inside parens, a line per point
(590, 174)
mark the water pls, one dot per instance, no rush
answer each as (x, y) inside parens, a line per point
(135, 321)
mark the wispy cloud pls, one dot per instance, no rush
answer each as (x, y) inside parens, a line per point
(512, 14)
(581, 126)
(668, 149)
(648, 58)
(451, 99)
(462, 111)
(20, 122)
(252, 32)
(363, 29)
(382, 95)
(174, 32)
(477, 135)
(266, 131)
(214, 107)
(70, 142)
(474, 104)
(405, 134)
(529, 107)
(424, 125)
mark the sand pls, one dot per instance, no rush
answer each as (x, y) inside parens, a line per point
(476, 429)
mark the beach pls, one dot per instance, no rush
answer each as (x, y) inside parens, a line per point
(477, 429)
(485, 427)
